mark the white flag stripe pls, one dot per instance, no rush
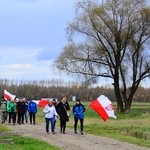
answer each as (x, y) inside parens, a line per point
(107, 105)
(104, 101)
(9, 95)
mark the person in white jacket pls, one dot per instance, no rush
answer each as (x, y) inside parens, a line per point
(50, 114)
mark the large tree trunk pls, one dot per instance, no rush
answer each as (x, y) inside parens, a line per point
(127, 107)
(120, 105)
(128, 101)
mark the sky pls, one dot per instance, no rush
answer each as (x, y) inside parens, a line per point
(32, 35)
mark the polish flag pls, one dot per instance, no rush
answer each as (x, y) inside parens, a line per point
(103, 106)
(8, 96)
(43, 102)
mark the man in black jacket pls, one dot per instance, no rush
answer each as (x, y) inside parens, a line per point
(21, 107)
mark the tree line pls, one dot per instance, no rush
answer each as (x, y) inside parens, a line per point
(58, 88)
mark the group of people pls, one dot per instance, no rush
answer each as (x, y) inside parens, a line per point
(16, 112)
(61, 110)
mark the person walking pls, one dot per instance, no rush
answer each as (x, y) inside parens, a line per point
(78, 112)
(50, 114)
(63, 109)
(11, 109)
(32, 109)
(26, 110)
(21, 108)
(3, 112)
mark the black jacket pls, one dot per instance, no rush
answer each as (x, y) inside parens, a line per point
(21, 107)
(62, 109)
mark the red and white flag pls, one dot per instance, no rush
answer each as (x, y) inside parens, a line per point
(103, 106)
(43, 102)
(8, 96)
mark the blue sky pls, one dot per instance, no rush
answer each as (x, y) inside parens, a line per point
(32, 34)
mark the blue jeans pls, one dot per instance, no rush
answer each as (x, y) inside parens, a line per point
(52, 121)
(55, 118)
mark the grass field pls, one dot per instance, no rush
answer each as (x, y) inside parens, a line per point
(15, 142)
(133, 127)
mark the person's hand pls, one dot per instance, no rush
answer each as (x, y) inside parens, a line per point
(48, 111)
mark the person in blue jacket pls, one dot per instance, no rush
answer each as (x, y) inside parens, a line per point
(32, 109)
(78, 112)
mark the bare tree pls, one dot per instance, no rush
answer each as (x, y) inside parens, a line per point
(110, 39)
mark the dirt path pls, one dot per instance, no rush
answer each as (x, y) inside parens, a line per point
(71, 141)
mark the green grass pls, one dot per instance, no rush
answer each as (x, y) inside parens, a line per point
(3, 128)
(124, 133)
(15, 142)
(133, 127)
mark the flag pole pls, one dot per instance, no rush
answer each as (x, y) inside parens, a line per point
(88, 105)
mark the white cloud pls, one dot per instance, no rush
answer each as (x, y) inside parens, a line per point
(12, 54)
(19, 66)
(21, 63)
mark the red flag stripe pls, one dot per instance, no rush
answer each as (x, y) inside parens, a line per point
(43, 103)
(99, 109)
(7, 96)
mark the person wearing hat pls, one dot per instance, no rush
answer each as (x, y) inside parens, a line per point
(78, 112)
